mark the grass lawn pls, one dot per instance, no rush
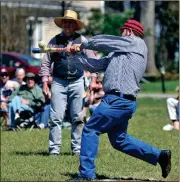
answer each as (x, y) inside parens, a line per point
(156, 87)
(24, 154)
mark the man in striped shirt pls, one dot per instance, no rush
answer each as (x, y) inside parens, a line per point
(123, 69)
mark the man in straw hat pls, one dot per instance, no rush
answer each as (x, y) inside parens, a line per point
(123, 69)
(68, 85)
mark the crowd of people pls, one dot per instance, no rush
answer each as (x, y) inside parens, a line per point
(74, 85)
(22, 99)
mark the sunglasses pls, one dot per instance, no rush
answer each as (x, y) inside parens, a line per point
(4, 74)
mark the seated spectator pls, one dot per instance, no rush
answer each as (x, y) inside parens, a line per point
(95, 94)
(20, 74)
(28, 97)
(44, 118)
(87, 80)
(6, 88)
(173, 112)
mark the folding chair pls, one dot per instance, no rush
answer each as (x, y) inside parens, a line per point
(27, 119)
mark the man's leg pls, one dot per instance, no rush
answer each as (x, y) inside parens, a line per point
(57, 110)
(100, 122)
(75, 107)
(172, 106)
(89, 147)
(176, 123)
(13, 106)
(132, 146)
(43, 120)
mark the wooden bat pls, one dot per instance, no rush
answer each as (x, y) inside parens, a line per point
(44, 49)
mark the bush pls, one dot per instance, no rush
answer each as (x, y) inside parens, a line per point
(173, 75)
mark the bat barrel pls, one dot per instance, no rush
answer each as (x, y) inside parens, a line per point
(36, 50)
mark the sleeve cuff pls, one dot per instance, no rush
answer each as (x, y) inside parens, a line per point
(85, 44)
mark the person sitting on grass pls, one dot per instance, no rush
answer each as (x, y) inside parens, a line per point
(43, 121)
(173, 112)
(27, 97)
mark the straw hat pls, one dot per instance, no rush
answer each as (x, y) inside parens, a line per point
(69, 15)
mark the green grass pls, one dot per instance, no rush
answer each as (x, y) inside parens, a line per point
(156, 87)
(24, 154)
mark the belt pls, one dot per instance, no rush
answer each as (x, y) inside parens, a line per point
(67, 78)
(118, 93)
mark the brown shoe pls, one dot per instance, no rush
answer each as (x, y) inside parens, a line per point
(165, 162)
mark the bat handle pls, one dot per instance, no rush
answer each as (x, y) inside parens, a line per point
(36, 50)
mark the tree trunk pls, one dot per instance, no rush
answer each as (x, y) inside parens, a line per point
(148, 21)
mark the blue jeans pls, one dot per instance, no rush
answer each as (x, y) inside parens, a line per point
(111, 117)
(43, 119)
(66, 92)
(13, 106)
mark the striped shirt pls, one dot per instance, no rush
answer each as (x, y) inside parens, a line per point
(125, 65)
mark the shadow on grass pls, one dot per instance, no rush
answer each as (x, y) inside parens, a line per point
(74, 176)
(106, 178)
(44, 153)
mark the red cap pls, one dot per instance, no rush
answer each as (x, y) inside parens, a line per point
(134, 25)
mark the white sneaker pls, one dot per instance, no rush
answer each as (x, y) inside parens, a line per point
(41, 126)
(16, 116)
(168, 127)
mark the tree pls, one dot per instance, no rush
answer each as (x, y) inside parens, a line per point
(99, 23)
(18, 23)
(16, 28)
(167, 13)
(13, 30)
(148, 21)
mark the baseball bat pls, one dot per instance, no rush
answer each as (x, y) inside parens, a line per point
(44, 49)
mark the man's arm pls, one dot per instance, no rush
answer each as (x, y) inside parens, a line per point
(46, 67)
(92, 65)
(14, 93)
(39, 98)
(110, 43)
